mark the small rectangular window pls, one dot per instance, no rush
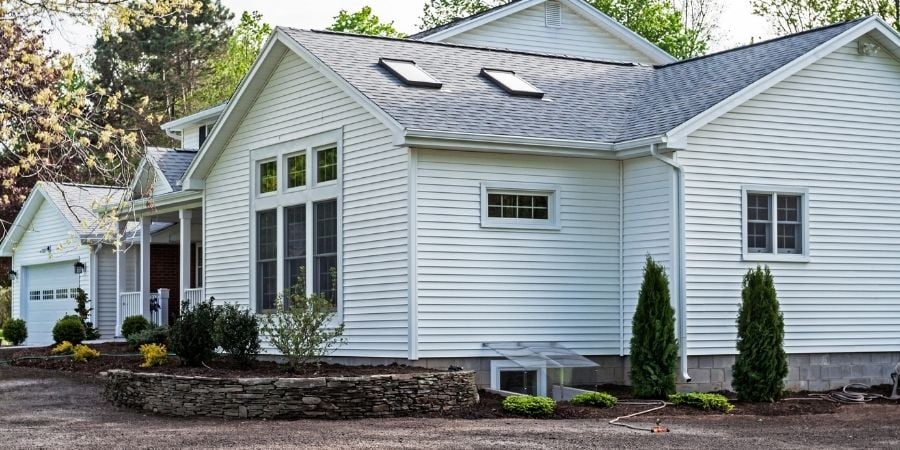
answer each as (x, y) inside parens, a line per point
(326, 164)
(325, 249)
(266, 260)
(268, 177)
(47, 294)
(204, 129)
(62, 294)
(519, 205)
(34, 295)
(295, 248)
(409, 73)
(512, 83)
(774, 223)
(296, 166)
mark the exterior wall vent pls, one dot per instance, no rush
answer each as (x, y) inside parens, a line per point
(553, 14)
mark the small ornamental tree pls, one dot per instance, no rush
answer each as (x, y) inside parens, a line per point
(761, 363)
(654, 350)
(84, 313)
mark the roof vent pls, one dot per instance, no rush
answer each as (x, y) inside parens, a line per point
(511, 83)
(409, 73)
(553, 14)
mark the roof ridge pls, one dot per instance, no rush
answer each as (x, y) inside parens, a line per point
(767, 41)
(471, 47)
(457, 20)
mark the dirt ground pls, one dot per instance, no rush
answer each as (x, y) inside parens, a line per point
(48, 409)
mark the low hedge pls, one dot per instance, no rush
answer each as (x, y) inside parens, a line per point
(529, 405)
(700, 400)
(595, 399)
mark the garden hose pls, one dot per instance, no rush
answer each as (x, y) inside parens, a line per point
(657, 405)
(848, 397)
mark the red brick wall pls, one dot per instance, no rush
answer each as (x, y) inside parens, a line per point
(164, 273)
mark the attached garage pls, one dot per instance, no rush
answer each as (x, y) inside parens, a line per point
(49, 294)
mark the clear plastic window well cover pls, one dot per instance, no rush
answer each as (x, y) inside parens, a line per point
(540, 355)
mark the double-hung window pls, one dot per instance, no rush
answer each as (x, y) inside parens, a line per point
(775, 223)
(297, 220)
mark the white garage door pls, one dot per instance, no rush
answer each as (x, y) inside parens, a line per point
(50, 294)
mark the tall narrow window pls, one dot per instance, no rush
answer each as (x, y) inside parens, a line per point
(775, 223)
(295, 247)
(268, 177)
(326, 163)
(266, 259)
(325, 252)
(296, 166)
(204, 129)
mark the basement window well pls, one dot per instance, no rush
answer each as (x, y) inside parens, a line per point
(535, 368)
(512, 83)
(409, 73)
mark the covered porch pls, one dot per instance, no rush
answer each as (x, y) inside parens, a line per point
(161, 266)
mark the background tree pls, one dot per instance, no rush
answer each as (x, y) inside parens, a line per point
(226, 70)
(363, 22)
(794, 16)
(658, 21)
(654, 349)
(761, 364)
(163, 62)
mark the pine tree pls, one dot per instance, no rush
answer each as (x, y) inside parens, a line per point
(761, 364)
(654, 349)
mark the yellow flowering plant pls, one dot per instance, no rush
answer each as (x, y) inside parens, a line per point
(64, 348)
(154, 355)
(82, 353)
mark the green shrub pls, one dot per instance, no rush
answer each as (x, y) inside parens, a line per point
(134, 324)
(300, 330)
(15, 331)
(761, 363)
(237, 332)
(708, 402)
(84, 312)
(596, 399)
(5, 304)
(152, 335)
(69, 328)
(654, 350)
(191, 337)
(529, 405)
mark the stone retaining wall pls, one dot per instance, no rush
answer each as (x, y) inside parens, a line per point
(330, 398)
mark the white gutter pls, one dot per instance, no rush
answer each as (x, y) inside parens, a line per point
(679, 263)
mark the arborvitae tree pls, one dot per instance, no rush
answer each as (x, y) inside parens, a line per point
(654, 349)
(761, 363)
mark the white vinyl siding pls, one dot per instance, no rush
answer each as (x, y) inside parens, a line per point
(190, 138)
(106, 287)
(48, 228)
(648, 227)
(298, 101)
(479, 285)
(528, 31)
(832, 129)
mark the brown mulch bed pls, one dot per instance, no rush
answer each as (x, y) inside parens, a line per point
(120, 356)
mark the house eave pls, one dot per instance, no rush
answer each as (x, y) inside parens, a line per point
(172, 201)
(198, 118)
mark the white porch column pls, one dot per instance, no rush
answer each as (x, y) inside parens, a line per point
(145, 266)
(185, 216)
(120, 273)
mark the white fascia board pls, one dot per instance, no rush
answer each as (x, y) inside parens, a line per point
(23, 219)
(636, 41)
(498, 13)
(390, 122)
(238, 98)
(199, 118)
(444, 140)
(161, 204)
(680, 133)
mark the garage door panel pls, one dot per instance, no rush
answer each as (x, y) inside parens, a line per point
(50, 293)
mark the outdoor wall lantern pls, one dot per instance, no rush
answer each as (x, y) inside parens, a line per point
(79, 267)
(12, 275)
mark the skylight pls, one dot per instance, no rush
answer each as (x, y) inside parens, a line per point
(409, 72)
(511, 83)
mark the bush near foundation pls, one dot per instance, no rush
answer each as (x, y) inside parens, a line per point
(237, 332)
(69, 328)
(529, 405)
(82, 353)
(707, 402)
(134, 324)
(654, 349)
(152, 335)
(191, 337)
(595, 399)
(15, 331)
(761, 364)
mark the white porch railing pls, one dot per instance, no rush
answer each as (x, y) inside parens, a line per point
(131, 304)
(193, 297)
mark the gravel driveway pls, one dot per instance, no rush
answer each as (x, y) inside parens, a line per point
(46, 409)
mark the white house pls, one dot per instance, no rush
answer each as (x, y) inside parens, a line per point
(492, 187)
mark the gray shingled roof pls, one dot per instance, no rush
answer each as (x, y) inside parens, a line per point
(585, 100)
(78, 204)
(172, 162)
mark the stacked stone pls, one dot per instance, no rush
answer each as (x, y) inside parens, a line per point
(271, 398)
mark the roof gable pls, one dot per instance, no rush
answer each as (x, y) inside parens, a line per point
(599, 28)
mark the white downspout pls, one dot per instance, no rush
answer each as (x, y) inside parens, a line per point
(679, 259)
(621, 258)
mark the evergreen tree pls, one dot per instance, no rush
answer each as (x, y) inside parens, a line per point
(761, 364)
(162, 62)
(654, 349)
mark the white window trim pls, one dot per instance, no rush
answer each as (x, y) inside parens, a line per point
(315, 166)
(553, 216)
(283, 197)
(258, 169)
(498, 364)
(746, 255)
